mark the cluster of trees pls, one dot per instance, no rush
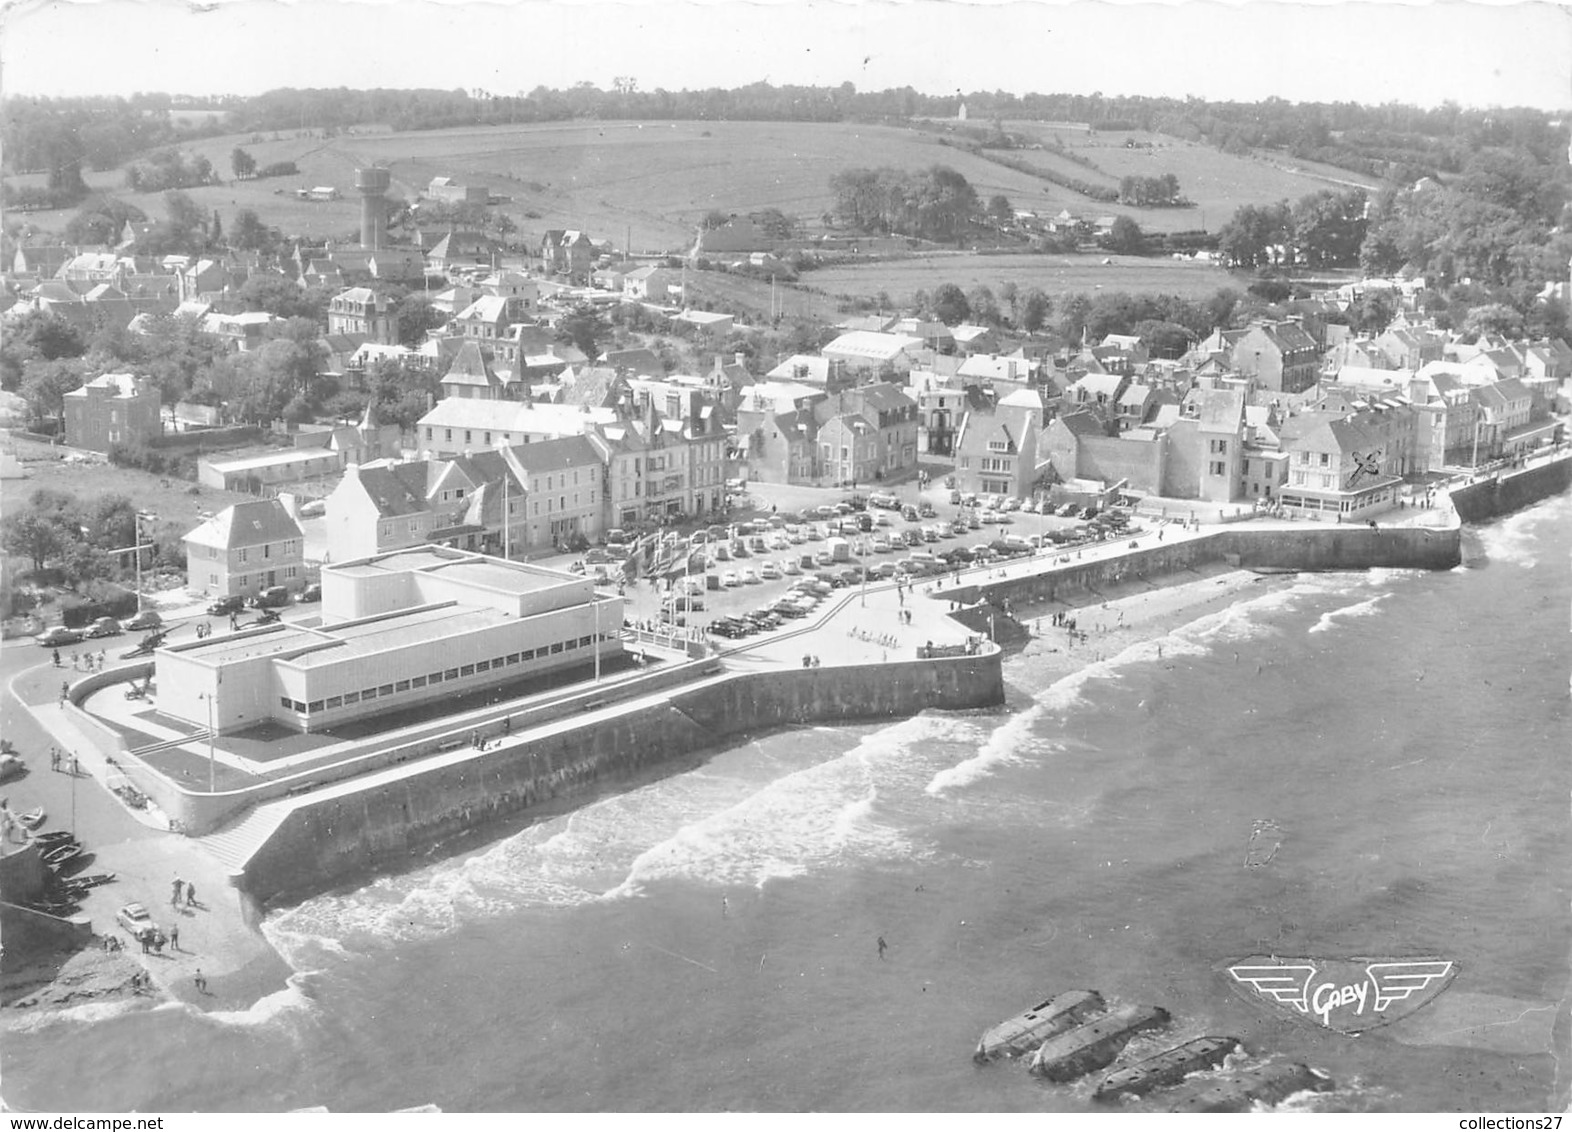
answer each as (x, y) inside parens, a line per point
(1323, 229)
(935, 204)
(1150, 192)
(245, 168)
(167, 169)
(55, 528)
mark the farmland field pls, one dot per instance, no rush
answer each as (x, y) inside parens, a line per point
(1055, 274)
(1217, 182)
(654, 181)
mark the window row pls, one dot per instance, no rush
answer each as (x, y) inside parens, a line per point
(440, 676)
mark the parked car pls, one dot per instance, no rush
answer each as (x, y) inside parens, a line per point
(147, 619)
(57, 635)
(312, 592)
(10, 767)
(750, 577)
(730, 579)
(271, 598)
(136, 920)
(789, 566)
(770, 571)
(226, 605)
(926, 510)
(105, 627)
(313, 509)
(910, 513)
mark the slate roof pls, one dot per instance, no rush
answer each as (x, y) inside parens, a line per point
(251, 523)
(471, 368)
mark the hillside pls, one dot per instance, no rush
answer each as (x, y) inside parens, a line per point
(1217, 182)
(655, 180)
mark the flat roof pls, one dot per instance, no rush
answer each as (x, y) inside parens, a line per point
(460, 565)
(230, 649)
(399, 630)
(497, 576)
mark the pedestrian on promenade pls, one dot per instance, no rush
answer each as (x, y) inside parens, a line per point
(57, 658)
(200, 980)
(882, 947)
(102, 657)
(176, 887)
(65, 692)
(190, 895)
(54, 758)
(174, 937)
(76, 767)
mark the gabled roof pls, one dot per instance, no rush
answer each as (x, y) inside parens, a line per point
(639, 362)
(872, 346)
(390, 491)
(980, 427)
(1083, 423)
(487, 308)
(471, 368)
(251, 523)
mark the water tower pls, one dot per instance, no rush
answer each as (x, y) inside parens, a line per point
(371, 184)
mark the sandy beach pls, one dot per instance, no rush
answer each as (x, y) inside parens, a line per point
(1127, 615)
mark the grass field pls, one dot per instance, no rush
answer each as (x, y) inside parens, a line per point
(1217, 182)
(1055, 274)
(170, 499)
(655, 180)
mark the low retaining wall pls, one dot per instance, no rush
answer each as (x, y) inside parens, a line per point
(1503, 494)
(328, 840)
(1316, 546)
(29, 933)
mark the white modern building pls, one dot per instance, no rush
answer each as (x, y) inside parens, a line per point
(398, 630)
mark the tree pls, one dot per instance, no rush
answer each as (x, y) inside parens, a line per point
(249, 233)
(1000, 209)
(111, 522)
(415, 315)
(1493, 318)
(584, 327)
(45, 384)
(1162, 339)
(277, 295)
(242, 164)
(32, 535)
(1035, 309)
(1126, 237)
(186, 218)
(949, 304)
(984, 307)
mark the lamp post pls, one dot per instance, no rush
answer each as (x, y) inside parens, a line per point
(211, 765)
(595, 602)
(136, 538)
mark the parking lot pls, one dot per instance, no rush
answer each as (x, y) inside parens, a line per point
(775, 567)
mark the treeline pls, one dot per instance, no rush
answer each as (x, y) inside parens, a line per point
(1103, 193)
(1323, 229)
(167, 169)
(1392, 140)
(935, 204)
(1150, 192)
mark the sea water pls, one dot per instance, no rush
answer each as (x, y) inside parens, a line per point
(709, 941)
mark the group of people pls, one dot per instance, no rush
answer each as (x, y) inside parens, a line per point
(810, 661)
(177, 886)
(206, 629)
(86, 662)
(59, 760)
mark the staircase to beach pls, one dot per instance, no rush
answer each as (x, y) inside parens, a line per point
(235, 844)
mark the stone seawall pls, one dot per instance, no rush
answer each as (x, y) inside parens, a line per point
(1314, 546)
(1501, 495)
(392, 817)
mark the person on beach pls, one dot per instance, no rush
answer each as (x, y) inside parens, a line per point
(176, 887)
(174, 937)
(200, 980)
(190, 895)
(882, 947)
